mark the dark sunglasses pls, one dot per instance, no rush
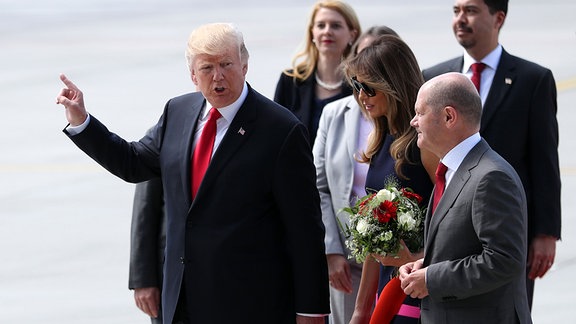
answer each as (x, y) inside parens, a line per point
(370, 92)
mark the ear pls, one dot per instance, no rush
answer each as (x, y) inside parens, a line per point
(193, 77)
(450, 116)
(244, 69)
(500, 18)
(353, 36)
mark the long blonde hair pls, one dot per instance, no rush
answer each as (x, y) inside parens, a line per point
(304, 63)
(389, 66)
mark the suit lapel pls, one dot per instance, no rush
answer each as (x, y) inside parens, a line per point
(459, 180)
(240, 130)
(351, 119)
(502, 83)
(190, 117)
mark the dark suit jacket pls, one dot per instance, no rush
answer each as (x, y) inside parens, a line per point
(475, 245)
(519, 122)
(250, 246)
(299, 97)
(147, 237)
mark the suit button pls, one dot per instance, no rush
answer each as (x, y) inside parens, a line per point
(182, 260)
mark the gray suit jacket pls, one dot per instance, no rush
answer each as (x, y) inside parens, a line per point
(475, 245)
(334, 150)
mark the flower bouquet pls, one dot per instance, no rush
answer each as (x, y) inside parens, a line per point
(379, 220)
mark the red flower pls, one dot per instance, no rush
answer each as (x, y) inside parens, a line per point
(411, 195)
(386, 211)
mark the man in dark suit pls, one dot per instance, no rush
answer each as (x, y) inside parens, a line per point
(245, 245)
(475, 236)
(147, 243)
(518, 120)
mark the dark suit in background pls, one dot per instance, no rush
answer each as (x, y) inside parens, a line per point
(519, 122)
(147, 238)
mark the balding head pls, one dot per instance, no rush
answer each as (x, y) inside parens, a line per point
(455, 90)
(448, 110)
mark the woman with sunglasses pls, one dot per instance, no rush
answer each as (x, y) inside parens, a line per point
(386, 78)
(342, 132)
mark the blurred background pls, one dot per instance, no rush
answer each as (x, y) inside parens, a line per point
(65, 222)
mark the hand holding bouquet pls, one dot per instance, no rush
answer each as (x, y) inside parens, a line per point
(381, 219)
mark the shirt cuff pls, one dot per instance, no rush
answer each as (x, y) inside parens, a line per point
(311, 315)
(75, 130)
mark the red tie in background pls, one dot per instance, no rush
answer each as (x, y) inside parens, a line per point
(203, 150)
(440, 184)
(477, 69)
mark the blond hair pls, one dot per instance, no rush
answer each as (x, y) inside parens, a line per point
(304, 63)
(212, 39)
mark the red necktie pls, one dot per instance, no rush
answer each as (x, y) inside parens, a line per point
(203, 150)
(440, 184)
(477, 69)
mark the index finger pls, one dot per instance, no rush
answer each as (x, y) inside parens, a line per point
(69, 84)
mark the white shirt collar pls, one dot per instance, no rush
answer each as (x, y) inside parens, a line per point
(228, 112)
(491, 60)
(456, 155)
(222, 124)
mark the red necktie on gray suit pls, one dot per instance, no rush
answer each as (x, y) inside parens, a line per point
(203, 150)
(440, 184)
(477, 69)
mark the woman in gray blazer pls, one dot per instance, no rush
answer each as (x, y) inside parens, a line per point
(342, 134)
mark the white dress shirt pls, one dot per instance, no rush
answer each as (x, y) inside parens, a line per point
(456, 155)
(222, 124)
(491, 60)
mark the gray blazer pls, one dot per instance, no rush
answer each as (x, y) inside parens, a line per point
(475, 245)
(333, 150)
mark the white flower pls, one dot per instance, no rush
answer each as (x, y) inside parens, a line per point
(388, 235)
(366, 233)
(362, 226)
(406, 220)
(384, 195)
